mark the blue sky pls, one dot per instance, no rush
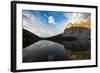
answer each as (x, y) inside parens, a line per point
(49, 23)
(51, 19)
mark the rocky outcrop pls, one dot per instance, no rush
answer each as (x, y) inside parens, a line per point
(79, 33)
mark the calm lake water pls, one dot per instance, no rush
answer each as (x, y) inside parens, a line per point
(45, 50)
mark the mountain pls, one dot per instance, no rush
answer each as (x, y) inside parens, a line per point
(69, 34)
(28, 38)
(78, 32)
(81, 24)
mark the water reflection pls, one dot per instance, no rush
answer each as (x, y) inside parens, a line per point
(45, 50)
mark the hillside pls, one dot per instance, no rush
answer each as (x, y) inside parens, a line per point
(28, 38)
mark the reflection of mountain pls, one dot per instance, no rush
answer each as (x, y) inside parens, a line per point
(45, 50)
(78, 45)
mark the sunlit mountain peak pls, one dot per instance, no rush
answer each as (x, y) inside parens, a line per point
(83, 24)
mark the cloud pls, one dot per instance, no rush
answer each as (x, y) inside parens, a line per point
(67, 14)
(77, 17)
(28, 15)
(51, 20)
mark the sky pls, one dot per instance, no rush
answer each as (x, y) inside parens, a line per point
(50, 23)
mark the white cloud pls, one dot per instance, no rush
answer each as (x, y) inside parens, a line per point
(67, 14)
(51, 20)
(77, 17)
(28, 15)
